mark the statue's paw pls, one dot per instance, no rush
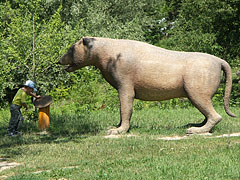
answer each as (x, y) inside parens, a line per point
(112, 132)
(197, 130)
(111, 127)
(116, 131)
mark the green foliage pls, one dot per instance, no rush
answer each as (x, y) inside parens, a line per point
(16, 50)
(92, 93)
(54, 33)
(205, 26)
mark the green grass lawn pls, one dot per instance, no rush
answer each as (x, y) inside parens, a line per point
(75, 147)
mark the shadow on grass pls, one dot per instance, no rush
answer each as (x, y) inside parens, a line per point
(63, 128)
(74, 124)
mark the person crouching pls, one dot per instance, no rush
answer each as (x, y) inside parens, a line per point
(19, 100)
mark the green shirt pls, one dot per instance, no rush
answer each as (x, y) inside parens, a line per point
(20, 97)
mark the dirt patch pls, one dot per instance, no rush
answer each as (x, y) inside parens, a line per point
(4, 164)
(229, 135)
(207, 135)
(119, 136)
(70, 167)
(175, 138)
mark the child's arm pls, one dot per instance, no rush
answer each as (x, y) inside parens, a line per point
(34, 95)
(25, 105)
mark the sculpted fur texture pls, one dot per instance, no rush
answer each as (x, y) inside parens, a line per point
(146, 72)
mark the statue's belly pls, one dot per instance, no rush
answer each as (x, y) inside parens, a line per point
(159, 94)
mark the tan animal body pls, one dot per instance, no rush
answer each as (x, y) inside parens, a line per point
(143, 71)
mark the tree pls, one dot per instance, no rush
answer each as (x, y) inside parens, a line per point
(56, 29)
(206, 26)
(16, 48)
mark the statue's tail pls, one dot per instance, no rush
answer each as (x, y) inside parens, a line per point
(228, 73)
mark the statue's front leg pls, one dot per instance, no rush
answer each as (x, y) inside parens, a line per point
(126, 97)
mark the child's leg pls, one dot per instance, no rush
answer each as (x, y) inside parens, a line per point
(15, 114)
(20, 121)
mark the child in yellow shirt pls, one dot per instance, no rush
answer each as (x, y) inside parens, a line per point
(19, 100)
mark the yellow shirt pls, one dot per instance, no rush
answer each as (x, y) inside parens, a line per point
(20, 97)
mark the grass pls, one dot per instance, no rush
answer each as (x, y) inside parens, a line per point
(75, 147)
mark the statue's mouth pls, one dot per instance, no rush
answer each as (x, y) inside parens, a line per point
(67, 67)
(70, 67)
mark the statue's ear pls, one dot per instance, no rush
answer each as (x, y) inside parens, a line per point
(88, 42)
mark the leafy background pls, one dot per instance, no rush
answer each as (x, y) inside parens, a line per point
(186, 25)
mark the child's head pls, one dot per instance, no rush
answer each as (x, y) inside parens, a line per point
(28, 89)
(30, 86)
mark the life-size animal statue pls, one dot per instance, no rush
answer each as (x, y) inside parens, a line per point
(146, 72)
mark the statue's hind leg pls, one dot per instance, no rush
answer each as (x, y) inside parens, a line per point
(212, 119)
(197, 124)
(200, 84)
(201, 99)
